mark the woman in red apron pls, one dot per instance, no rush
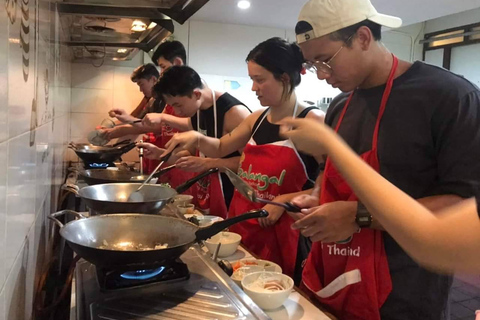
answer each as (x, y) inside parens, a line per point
(270, 164)
(352, 279)
(283, 172)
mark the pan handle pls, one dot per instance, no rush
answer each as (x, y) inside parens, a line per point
(121, 142)
(53, 216)
(127, 147)
(164, 170)
(185, 186)
(208, 232)
(70, 188)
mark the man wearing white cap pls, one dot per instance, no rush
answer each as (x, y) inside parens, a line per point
(416, 124)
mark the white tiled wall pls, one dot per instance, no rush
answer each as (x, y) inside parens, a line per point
(34, 130)
(95, 91)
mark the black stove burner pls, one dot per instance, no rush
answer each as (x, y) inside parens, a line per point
(98, 165)
(121, 279)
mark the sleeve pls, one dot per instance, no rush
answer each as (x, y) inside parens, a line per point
(456, 134)
(335, 108)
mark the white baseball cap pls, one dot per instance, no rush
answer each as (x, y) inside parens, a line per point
(327, 16)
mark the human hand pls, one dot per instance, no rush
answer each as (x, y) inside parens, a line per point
(152, 119)
(304, 201)
(308, 135)
(121, 115)
(330, 222)
(151, 151)
(274, 214)
(187, 140)
(193, 164)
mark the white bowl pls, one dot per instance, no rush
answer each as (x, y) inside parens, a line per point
(186, 208)
(254, 286)
(265, 264)
(182, 199)
(241, 272)
(229, 241)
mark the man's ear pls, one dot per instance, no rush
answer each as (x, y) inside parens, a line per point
(197, 94)
(178, 62)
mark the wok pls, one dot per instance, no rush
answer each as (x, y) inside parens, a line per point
(90, 153)
(88, 237)
(113, 197)
(102, 176)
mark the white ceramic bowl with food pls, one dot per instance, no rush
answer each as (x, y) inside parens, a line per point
(182, 199)
(269, 290)
(186, 208)
(241, 272)
(265, 264)
(229, 243)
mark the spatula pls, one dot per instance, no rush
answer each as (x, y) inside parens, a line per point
(250, 193)
(137, 196)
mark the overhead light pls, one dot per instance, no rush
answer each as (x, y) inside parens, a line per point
(122, 50)
(243, 4)
(138, 26)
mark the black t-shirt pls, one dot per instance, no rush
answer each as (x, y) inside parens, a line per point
(429, 144)
(207, 124)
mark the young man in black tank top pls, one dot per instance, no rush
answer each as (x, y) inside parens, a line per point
(182, 88)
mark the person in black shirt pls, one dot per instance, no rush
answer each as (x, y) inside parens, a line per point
(448, 242)
(211, 112)
(415, 124)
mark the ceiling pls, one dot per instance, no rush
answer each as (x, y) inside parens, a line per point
(283, 13)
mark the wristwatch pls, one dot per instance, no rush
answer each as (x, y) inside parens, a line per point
(363, 218)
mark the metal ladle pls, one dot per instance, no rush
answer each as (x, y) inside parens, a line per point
(250, 193)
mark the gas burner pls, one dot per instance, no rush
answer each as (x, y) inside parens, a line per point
(120, 279)
(98, 165)
(142, 274)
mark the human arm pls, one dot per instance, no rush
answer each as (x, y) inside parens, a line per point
(200, 164)
(157, 119)
(448, 240)
(126, 129)
(212, 147)
(121, 115)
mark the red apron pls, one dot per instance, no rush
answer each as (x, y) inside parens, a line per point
(352, 279)
(272, 170)
(174, 177)
(209, 190)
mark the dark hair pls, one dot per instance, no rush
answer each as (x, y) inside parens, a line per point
(279, 57)
(178, 81)
(345, 33)
(170, 50)
(147, 71)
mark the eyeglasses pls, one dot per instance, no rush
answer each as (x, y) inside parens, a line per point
(324, 66)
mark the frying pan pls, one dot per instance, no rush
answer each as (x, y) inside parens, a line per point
(101, 176)
(90, 153)
(96, 239)
(113, 197)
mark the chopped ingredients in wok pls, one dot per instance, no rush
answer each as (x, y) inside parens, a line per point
(130, 246)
